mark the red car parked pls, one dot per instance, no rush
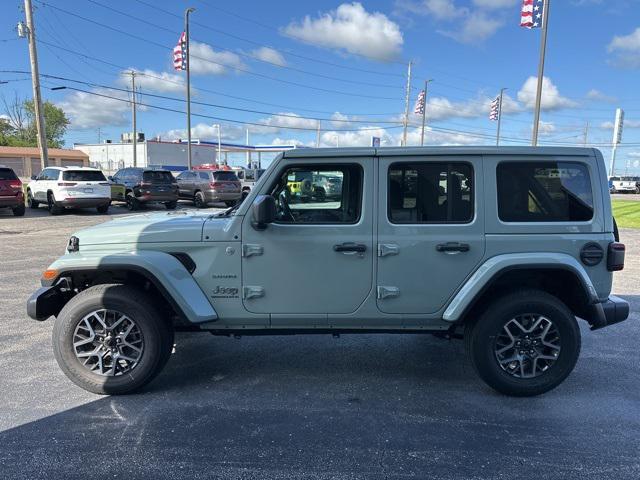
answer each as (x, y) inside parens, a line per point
(11, 194)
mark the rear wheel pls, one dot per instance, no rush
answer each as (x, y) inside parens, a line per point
(54, 209)
(171, 205)
(103, 208)
(132, 202)
(111, 339)
(199, 200)
(19, 210)
(231, 203)
(525, 343)
(31, 202)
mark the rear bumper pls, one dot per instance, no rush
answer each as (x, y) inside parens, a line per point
(83, 202)
(45, 302)
(217, 196)
(613, 310)
(11, 200)
(158, 197)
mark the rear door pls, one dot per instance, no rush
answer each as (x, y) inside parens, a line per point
(430, 231)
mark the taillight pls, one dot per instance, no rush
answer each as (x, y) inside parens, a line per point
(16, 185)
(615, 256)
(214, 184)
(145, 184)
(67, 184)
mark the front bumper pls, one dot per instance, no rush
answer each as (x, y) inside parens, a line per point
(613, 310)
(45, 302)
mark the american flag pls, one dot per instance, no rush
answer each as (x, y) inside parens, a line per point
(419, 108)
(495, 109)
(531, 14)
(180, 53)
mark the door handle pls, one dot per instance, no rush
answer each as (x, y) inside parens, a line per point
(451, 247)
(350, 247)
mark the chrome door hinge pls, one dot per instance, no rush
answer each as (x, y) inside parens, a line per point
(388, 292)
(385, 249)
(252, 292)
(251, 249)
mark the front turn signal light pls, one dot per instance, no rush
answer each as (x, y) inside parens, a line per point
(49, 274)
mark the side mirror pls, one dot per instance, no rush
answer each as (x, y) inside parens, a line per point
(110, 178)
(263, 211)
(34, 177)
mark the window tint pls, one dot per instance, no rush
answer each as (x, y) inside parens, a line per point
(303, 194)
(544, 192)
(225, 177)
(83, 176)
(429, 192)
(7, 174)
(203, 175)
(157, 176)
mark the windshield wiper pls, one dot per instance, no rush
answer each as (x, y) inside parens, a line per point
(228, 211)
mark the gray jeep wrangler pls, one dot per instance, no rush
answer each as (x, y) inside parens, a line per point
(504, 247)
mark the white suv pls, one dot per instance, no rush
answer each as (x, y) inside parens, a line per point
(75, 187)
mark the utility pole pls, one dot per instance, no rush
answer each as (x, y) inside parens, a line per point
(424, 109)
(133, 118)
(186, 33)
(499, 117)
(35, 80)
(406, 106)
(586, 133)
(248, 159)
(617, 138)
(318, 135)
(543, 48)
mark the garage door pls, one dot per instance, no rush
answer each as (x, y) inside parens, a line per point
(36, 166)
(71, 163)
(14, 163)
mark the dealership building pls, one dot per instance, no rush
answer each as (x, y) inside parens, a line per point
(110, 156)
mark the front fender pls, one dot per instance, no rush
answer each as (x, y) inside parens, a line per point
(482, 277)
(162, 269)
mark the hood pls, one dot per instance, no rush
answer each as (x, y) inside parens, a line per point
(179, 226)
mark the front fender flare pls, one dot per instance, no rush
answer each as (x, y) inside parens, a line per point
(483, 276)
(162, 269)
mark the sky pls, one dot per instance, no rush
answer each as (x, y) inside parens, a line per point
(280, 68)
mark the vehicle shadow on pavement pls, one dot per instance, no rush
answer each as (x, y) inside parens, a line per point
(361, 406)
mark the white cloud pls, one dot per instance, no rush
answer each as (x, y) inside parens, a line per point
(291, 120)
(551, 98)
(90, 111)
(627, 124)
(438, 9)
(475, 28)
(151, 80)
(597, 95)
(270, 55)
(626, 49)
(206, 61)
(352, 29)
(635, 154)
(291, 141)
(546, 128)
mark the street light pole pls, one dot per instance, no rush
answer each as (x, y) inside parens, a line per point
(35, 80)
(424, 109)
(186, 34)
(133, 118)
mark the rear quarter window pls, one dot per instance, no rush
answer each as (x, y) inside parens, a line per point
(83, 176)
(157, 177)
(225, 177)
(544, 192)
(7, 174)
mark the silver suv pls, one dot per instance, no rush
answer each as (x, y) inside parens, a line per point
(204, 187)
(507, 248)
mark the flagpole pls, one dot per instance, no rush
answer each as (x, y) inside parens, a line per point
(543, 48)
(406, 107)
(186, 34)
(499, 117)
(424, 110)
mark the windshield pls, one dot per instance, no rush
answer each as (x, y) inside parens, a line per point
(83, 176)
(157, 176)
(7, 174)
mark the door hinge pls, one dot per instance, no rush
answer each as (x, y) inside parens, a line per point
(385, 249)
(252, 292)
(251, 249)
(388, 292)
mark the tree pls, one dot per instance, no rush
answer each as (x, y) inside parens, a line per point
(19, 125)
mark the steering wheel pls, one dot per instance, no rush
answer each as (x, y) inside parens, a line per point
(284, 203)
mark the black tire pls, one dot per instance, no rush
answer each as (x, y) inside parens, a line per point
(199, 200)
(171, 205)
(245, 194)
(231, 203)
(132, 202)
(32, 202)
(103, 208)
(136, 304)
(480, 342)
(19, 210)
(54, 209)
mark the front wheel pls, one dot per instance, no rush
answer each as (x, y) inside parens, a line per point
(132, 202)
(171, 205)
(199, 200)
(525, 343)
(111, 339)
(32, 202)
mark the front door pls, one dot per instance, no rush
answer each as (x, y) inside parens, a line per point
(430, 230)
(317, 257)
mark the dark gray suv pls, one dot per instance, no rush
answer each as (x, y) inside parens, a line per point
(209, 186)
(146, 185)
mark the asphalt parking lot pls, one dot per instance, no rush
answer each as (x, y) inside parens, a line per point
(312, 407)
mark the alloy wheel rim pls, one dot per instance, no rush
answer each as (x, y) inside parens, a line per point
(527, 346)
(108, 343)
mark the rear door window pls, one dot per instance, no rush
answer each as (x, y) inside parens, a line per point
(544, 192)
(7, 174)
(83, 176)
(157, 176)
(203, 175)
